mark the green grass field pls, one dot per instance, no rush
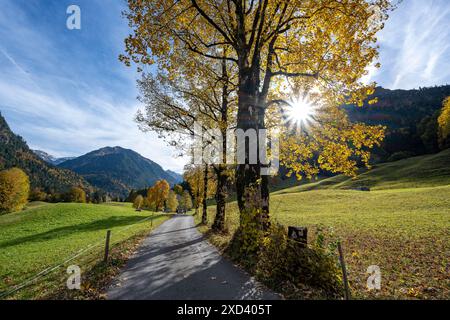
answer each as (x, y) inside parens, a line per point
(47, 235)
(402, 228)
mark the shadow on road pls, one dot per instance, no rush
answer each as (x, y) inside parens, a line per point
(177, 263)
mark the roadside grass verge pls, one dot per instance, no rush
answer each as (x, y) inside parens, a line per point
(48, 236)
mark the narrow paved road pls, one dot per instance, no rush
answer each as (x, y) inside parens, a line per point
(176, 263)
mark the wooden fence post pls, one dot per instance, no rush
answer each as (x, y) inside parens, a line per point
(344, 272)
(108, 236)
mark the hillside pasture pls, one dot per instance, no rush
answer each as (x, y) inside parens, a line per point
(416, 172)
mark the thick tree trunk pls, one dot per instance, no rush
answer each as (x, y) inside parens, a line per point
(247, 174)
(205, 195)
(221, 195)
(252, 189)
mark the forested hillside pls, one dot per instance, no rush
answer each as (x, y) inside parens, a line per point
(14, 152)
(410, 117)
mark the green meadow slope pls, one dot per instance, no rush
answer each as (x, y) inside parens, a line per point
(402, 225)
(416, 172)
(46, 235)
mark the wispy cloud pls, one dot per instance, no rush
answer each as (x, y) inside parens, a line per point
(415, 49)
(13, 62)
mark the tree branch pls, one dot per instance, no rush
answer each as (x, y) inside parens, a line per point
(295, 74)
(212, 22)
(276, 101)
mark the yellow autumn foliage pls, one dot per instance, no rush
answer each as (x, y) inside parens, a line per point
(444, 123)
(14, 190)
(172, 201)
(157, 195)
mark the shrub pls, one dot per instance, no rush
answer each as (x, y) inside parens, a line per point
(247, 240)
(14, 190)
(284, 263)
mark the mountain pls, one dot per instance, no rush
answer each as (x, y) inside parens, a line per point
(410, 117)
(178, 178)
(118, 170)
(51, 159)
(14, 152)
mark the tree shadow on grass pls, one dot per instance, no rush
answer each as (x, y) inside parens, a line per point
(103, 224)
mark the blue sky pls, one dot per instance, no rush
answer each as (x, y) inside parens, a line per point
(66, 92)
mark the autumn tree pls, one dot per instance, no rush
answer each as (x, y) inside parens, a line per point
(150, 200)
(178, 190)
(186, 201)
(77, 195)
(158, 194)
(147, 204)
(138, 202)
(324, 44)
(203, 184)
(172, 201)
(444, 124)
(14, 190)
(193, 176)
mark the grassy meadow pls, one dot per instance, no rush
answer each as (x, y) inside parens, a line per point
(48, 235)
(416, 172)
(402, 225)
